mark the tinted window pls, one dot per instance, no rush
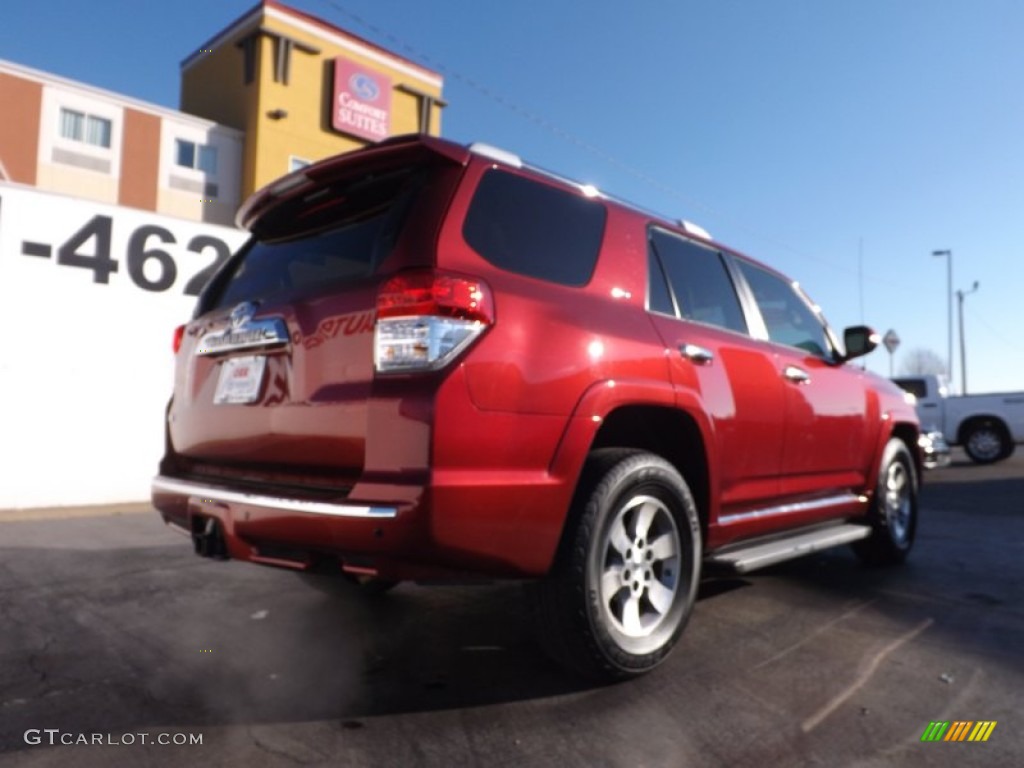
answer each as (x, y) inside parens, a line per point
(788, 318)
(916, 387)
(534, 229)
(703, 289)
(658, 298)
(335, 235)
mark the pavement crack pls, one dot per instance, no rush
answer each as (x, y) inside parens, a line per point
(264, 747)
(869, 669)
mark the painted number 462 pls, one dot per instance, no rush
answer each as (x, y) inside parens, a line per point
(99, 260)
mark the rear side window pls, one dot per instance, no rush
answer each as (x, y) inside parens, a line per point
(534, 229)
(697, 276)
(916, 387)
(334, 235)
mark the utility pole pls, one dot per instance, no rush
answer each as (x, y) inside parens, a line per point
(963, 343)
(949, 298)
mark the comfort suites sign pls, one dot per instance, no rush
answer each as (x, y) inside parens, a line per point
(362, 101)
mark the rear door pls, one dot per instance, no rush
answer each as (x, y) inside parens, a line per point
(695, 308)
(276, 370)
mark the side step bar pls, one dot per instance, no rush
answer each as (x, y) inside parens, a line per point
(762, 555)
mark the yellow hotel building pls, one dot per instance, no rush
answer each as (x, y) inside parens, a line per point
(300, 89)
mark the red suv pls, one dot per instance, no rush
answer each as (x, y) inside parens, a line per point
(433, 361)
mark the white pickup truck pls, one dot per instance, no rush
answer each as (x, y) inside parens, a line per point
(987, 426)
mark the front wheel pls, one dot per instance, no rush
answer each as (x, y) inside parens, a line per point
(628, 568)
(894, 518)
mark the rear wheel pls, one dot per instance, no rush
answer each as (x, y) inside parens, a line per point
(894, 519)
(986, 442)
(626, 578)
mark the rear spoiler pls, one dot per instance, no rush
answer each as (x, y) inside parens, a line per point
(302, 181)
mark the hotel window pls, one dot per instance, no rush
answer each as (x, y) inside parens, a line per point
(89, 129)
(201, 157)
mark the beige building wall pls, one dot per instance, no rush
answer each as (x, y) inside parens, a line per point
(135, 163)
(72, 166)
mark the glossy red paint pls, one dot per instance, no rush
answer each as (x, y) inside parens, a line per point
(476, 464)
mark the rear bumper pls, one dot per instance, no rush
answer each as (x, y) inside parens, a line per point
(214, 494)
(450, 530)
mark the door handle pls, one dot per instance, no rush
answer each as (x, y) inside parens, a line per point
(696, 355)
(796, 375)
(929, 405)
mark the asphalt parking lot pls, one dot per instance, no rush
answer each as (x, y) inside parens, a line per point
(109, 625)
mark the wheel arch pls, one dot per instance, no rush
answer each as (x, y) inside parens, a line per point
(909, 434)
(643, 416)
(668, 432)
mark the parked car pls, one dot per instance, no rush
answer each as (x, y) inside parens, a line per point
(433, 360)
(987, 426)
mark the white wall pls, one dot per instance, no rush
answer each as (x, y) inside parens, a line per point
(86, 367)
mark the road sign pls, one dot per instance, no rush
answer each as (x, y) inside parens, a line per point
(891, 340)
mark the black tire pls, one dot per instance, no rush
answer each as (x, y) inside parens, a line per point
(347, 584)
(987, 442)
(627, 572)
(894, 517)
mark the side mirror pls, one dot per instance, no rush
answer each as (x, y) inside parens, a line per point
(859, 340)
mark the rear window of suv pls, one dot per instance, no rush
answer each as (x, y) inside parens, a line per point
(535, 229)
(333, 235)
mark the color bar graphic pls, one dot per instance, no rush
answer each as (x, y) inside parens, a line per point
(958, 730)
(982, 730)
(935, 731)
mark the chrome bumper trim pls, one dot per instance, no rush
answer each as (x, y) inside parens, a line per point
(213, 493)
(789, 509)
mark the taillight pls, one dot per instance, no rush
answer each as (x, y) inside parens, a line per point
(426, 318)
(179, 334)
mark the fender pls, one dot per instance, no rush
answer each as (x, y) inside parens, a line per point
(891, 420)
(602, 398)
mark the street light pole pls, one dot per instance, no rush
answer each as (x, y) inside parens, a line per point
(963, 344)
(949, 313)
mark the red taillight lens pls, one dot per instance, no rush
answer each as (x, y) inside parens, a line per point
(179, 334)
(435, 293)
(426, 318)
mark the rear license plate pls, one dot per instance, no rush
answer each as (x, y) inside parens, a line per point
(240, 380)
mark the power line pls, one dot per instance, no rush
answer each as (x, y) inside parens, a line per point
(592, 149)
(994, 333)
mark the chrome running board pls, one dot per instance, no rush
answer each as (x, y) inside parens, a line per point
(756, 556)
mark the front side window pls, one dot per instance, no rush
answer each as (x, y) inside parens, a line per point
(535, 229)
(699, 280)
(88, 129)
(787, 316)
(201, 157)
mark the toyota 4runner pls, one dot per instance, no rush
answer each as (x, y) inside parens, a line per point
(433, 361)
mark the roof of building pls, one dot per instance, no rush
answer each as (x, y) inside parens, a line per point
(317, 26)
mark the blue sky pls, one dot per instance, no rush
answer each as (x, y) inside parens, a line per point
(793, 130)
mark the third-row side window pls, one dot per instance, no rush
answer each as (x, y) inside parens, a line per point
(535, 229)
